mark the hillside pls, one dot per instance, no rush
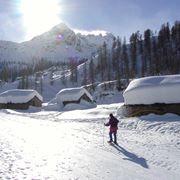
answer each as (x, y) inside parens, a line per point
(108, 58)
(60, 59)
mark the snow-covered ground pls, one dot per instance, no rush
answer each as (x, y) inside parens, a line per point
(71, 145)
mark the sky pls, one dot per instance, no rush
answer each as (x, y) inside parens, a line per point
(21, 20)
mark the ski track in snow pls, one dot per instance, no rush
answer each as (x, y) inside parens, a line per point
(46, 145)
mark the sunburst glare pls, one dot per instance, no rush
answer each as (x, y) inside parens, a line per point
(39, 15)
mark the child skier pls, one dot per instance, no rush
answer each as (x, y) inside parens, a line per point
(113, 123)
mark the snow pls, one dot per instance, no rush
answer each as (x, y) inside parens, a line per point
(72, 145)
(107, 95)
(153, 89)
(70, 142)
(18, 96)
(91, 33)
(49, 46)
(72, 94)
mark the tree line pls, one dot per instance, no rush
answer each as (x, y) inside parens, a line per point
(150, 53)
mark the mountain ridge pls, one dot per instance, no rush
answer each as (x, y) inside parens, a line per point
(58, 44)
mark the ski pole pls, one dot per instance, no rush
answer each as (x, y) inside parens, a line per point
(103, 132)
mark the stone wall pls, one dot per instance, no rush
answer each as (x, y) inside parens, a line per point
(158, 108)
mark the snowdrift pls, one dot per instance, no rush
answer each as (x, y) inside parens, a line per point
(154, 89)
(108, 93)
(155, 94)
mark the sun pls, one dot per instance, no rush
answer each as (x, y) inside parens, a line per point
(39, 15)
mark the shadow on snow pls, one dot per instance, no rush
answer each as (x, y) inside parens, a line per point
(131, 157)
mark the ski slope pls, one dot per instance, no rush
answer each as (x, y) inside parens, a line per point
(71, 145)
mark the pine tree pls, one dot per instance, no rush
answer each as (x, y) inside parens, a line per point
(104, 62)
(109, 66)
(36, 81)
(141, 53)
(175, 36)
(118, 63)
(41, 84)
(164, 46)
(23, 82)
(26, 86)
(75, 72)
(84, 81)
(147, 52)
(155, 58)
(114, 53)
(133, 53)
(91, 71)
(51, 78)
(105, 54)
(100, 63)
(125, 61)
(5, 74)
(63, 78)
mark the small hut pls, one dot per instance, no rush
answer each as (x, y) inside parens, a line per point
(154, 94)
(20, 99)
(73, 95)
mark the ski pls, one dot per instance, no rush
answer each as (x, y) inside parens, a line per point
(111, 142)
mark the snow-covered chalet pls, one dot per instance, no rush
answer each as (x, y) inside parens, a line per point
(73, 95)
(154, 94)
(20, 99)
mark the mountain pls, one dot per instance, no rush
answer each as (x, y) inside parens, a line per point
(58, 44)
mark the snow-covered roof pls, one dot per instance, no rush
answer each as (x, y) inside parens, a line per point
(153, 89)
(18, 96)
(72, 94)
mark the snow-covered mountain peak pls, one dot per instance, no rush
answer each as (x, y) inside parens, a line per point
(59, 44)
(60, 30)
(61, 27)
